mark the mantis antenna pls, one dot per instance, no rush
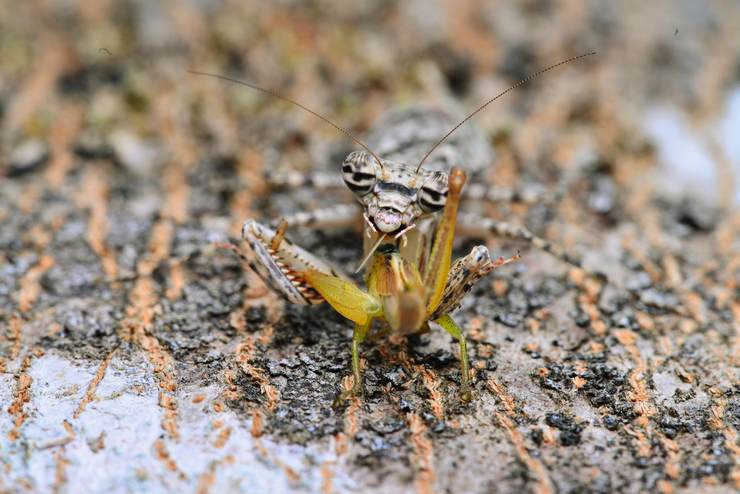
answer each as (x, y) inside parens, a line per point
(481, 107)
(277, 95)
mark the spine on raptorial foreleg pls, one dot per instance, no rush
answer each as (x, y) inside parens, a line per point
(282, 264)
(464, 274)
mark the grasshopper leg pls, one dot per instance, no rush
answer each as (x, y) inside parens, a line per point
(294, 179)
(484, 192)
(337, 216)
(281, 263)
(449, 325)
(478, 226)
(358, 336)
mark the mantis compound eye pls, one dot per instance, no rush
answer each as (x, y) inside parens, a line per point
(359, 172)
(433, 194)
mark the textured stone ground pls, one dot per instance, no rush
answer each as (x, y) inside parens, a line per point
(136, 355)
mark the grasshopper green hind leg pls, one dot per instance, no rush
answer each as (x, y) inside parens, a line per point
(449, 325)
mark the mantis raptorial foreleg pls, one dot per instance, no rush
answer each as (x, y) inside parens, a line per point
(464, 274)
(282, 264)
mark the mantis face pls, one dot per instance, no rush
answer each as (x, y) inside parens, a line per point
(394, 195)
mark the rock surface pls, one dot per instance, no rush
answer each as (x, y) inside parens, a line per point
(137, 355)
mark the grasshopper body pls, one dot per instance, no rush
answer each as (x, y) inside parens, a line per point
(409, 216)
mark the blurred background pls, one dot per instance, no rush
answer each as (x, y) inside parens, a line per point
(119, 168)
(112, 78)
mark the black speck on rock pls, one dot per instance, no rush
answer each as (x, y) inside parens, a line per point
(611, 299)
(438, 359)
(405, 406)
(672, 424)
(510, 319)
(625, 319)
(653, 297)
(696, 216)
(256, 315)
(581, 319)
(92, 146)
(570, 438)
(27, 157)
(379, 447)
(386, 425)
(680, 395)
(396, 376)
(602, 199)
(570, 430)
(439, 426)
(537, 436)
(610, 422)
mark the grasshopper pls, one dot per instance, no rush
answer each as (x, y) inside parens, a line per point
(410, 215)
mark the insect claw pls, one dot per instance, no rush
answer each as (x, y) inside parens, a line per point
(226, 246)
(279, 235)
(402, 235)
(403, 232)
(370, 224)
(466, 394)
(502, 261)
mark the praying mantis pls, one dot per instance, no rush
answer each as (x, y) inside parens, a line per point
(410, 217)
